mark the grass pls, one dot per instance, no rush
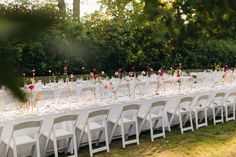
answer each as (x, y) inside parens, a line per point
(211, 141)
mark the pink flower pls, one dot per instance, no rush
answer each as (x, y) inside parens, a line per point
(119, 69)
(71, 76)
(132, 67)
(94, 69)
(31, 87)
(65, 68)
(110, 83)
(105, 87)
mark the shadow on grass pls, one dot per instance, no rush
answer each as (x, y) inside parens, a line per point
(206, 141)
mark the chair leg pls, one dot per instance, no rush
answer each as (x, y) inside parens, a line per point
(107, 139)
(75, 145)
(46, 146)
(222, 113)
(180, 122)
(55, 148)
(137, 131)
(214, 118)
(234, 112)
(163, 126)
(123, 135)
(196, 119)
(206, 117)
(38, 148)
(90, 144)
(226, 113)
(14, 151)
(151, 129)
(191, 120)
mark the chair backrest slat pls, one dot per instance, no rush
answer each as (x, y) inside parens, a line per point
(65, 118)
(220, 95)
(131, 107)
(29, 124)
(98, 113)
(158, 103)
(186, 99)
(232, 94)
(203, 97)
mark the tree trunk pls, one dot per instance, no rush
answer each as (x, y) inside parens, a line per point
(76, 8)
(62, 6)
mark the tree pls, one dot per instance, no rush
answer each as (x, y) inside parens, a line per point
(76, 8)
(62, 6)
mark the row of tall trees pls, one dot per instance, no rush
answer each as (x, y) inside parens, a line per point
(127, 34)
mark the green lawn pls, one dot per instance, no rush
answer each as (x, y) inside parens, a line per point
(211, 141)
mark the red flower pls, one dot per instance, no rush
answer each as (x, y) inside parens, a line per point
(94, 69)
(95, 77)
(110, 83)
(31, 87)
(106, 87)
(178, 75)
(160, 72)
(65, 68)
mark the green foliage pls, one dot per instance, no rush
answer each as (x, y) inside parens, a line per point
(124, 34)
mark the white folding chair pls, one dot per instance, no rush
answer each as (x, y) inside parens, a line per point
(217, 107)
(96, 122)
(184, 112)
(229, 104)
(200, 109)
(22, 140)
(57, 133)
(155, 114)
(128, 117)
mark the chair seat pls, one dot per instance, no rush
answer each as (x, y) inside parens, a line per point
(21, 140)
(153, 116)
(125, 121)
(60, 134)
(92, 126)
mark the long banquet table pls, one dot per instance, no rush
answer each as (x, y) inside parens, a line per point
(9, 118)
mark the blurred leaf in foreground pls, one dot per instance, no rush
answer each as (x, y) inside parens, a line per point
(18, 23)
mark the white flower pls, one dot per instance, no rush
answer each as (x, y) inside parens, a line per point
(102, 72)
(151, 69)
(186, 22)
(143, 72)
(116, 73)
(49, 71)
(184, 17)
(130, 73)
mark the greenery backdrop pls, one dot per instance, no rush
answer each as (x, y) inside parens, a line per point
(127, 34)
